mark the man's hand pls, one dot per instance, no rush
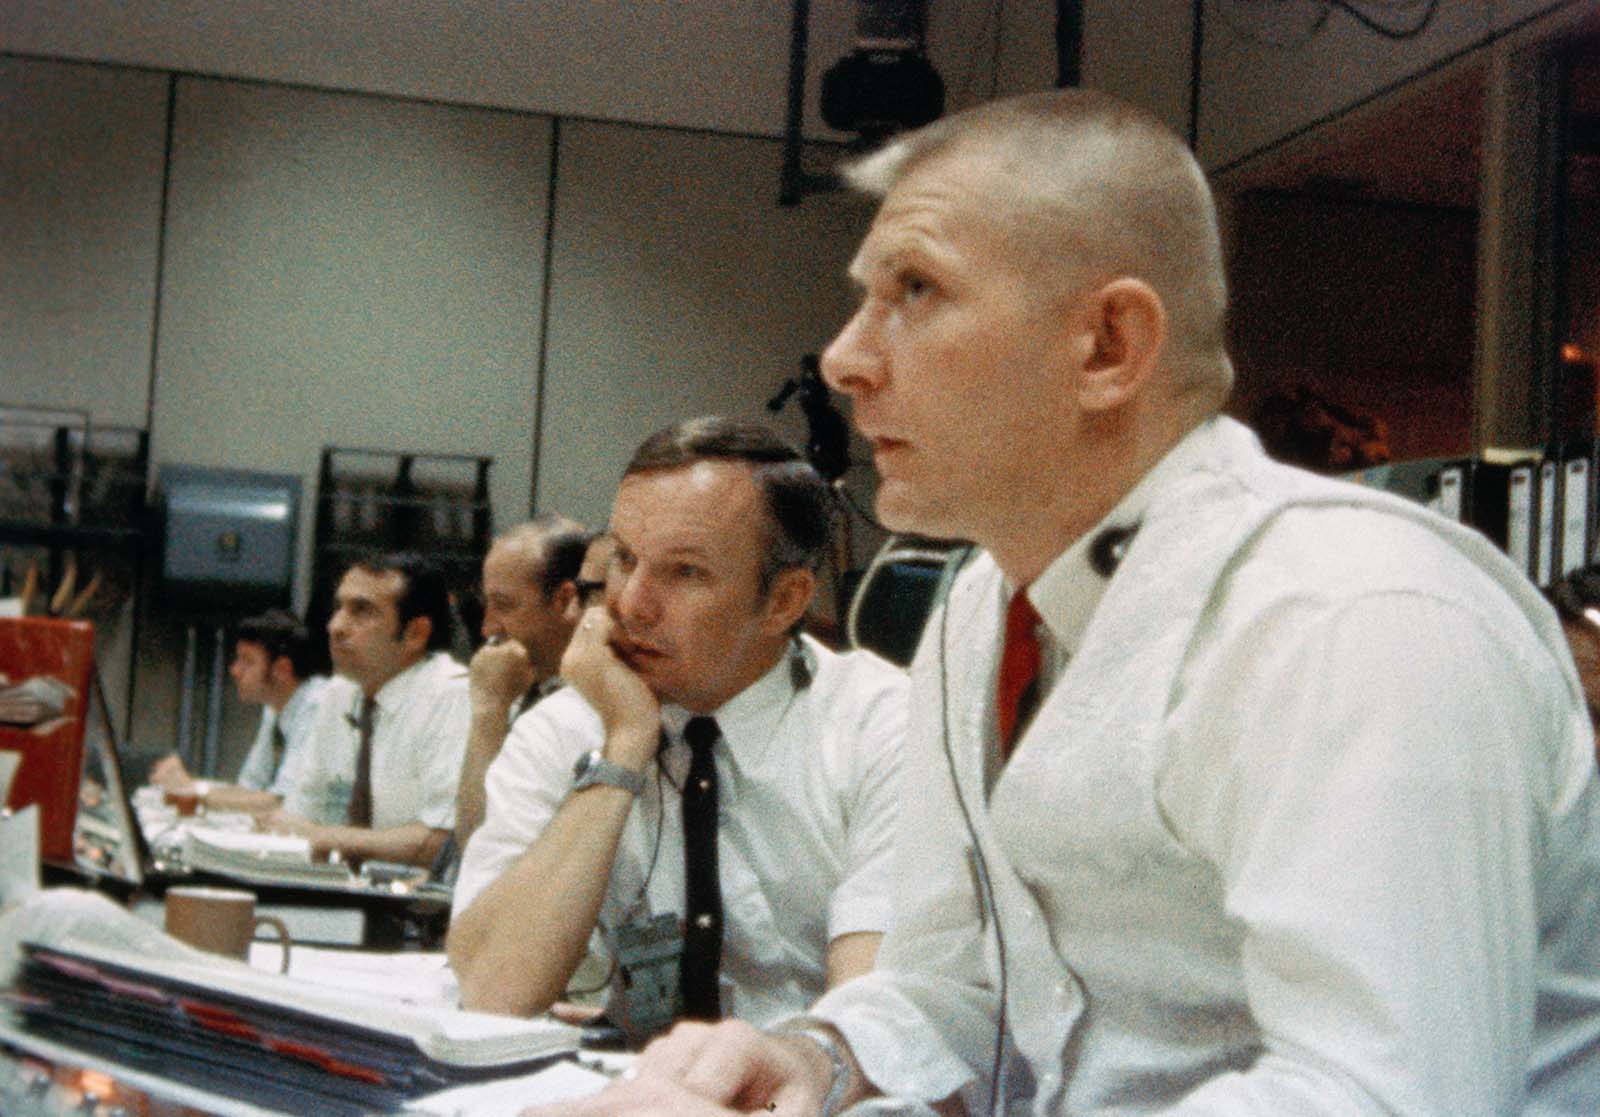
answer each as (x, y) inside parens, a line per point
(169, 774)
(705, 1069)
(499, 674)
(282, 822)
(642, 1094)
(630, 712)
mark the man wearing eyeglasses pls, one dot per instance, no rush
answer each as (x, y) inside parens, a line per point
(591, 581)
(530, 605)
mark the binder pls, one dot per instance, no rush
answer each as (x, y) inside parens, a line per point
(1502, 497)
(1577, 507)
(1547, 536)
(1451, 494)
(263, 1037)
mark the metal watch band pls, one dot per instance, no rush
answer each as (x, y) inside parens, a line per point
(839, 1072)
(593, 768)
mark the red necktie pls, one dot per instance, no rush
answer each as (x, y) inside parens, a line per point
(1019, 669)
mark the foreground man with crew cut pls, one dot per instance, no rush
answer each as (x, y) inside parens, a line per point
(1288, 802)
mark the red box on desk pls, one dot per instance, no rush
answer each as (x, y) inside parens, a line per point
(52, 748)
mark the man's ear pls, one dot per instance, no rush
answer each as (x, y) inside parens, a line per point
(281, 670)
(788, 599)
(1124, 327)
(415, 634)
(564, 601)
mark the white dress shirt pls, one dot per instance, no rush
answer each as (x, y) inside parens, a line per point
(806, 801)
(1308, 823)
(261, 771)
(418, 738)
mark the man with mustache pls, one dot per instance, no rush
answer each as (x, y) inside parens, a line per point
(718, 530)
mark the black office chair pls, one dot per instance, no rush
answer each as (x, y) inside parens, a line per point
(891, 604)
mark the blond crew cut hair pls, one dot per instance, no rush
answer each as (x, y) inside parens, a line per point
(1088, 188)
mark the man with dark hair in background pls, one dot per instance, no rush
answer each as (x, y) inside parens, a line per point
(530, 607)
(704, 760)
(379, 782)
(273, 666)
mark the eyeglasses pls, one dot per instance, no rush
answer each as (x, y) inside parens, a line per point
(589, 592)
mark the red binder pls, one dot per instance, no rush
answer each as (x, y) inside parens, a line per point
(60, 655)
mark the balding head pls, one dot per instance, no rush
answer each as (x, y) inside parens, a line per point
(1089, 189)
(550, 546)
(528, 590)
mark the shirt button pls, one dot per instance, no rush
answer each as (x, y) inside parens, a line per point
(704, 921)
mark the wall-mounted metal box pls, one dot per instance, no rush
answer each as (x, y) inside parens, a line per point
(228, 538)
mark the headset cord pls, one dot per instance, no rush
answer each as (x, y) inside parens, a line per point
(980, 864)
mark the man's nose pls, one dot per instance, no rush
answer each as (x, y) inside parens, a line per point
(634, 600)
(853, 361)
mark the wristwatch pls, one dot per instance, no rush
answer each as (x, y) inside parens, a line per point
(593, 768)
(838, 1062)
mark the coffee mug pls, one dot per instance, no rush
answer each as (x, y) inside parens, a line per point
(221, 920)
(186, 801)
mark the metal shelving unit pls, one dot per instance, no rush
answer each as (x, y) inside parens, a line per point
(73, 497)
(388, 500)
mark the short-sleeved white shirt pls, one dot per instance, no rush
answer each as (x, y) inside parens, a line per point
(418, 739)
(297, 718)
(808, 792)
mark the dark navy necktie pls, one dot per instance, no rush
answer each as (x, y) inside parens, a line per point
(702, 930)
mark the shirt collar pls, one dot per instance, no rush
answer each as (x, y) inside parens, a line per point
(1068, 591)
(394, 692)
(749, 720)
(298, 702)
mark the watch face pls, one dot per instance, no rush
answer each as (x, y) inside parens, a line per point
(592, 769)
(585, 764)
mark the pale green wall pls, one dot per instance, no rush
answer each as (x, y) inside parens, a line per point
(80, 196)
(350, 271)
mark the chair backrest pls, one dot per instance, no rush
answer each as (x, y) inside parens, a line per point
(896, 594)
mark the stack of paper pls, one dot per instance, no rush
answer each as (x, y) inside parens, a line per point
(258, 858)
(413, 977)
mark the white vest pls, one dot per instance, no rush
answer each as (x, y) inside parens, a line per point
(1095, 743)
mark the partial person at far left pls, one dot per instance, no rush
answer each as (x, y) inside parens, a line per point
(274, 660)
